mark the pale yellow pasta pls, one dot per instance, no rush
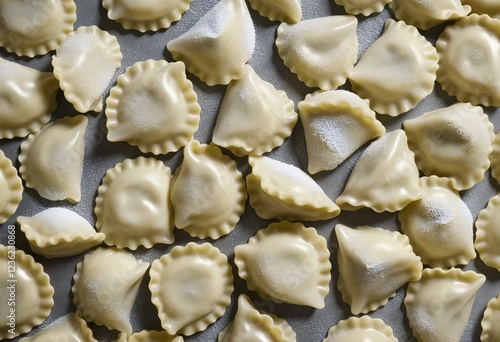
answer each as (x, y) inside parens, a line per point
(364, 7)
(289, 11)
(11, 188)
(362, 328)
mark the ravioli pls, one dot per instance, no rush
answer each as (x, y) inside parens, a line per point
(495, 158)
(491, 329)
(105, 286)
(373, 264)
(469, 61)
(84, 64)
(149, 336)
(30, 28)
(286, 262)
(154, 107)
(146, 15)
(59, 232)
(439, 305)
(309, 47)
(289, 11)
(283, 191)
(362, 328)
(336, 124)
(452, 142)
(385, 178)
(250, 324)
(133, 207)
(364, 7)
(191, 287)
(489, 7)
(397, 71)
(217, 47)
(27, 99)
(208, 192)
(11, 188)
(52, 159)
(32, 291)
(254, 116)
(439, 225)
(488, 234)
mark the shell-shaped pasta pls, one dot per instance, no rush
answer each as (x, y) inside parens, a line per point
(59, 232)
(495, 158)
(397, 71)
(385, 178)
(254, 116)
(146, 15)
(427, 14)
(30, 28)
(11, 188)
(489, 7)
(69, 328)
(217, 47)
(488, 234)
(289, 11)
(191, 287)
(438, 306)
(336, 124)
(373, 264)
(439, 225)
(105, 286)
(149, 336)
(286, 262)
(469, 60)
(283, 191)
(362, 328)
(32, 291)
(491, 329)
(208, 192)
(364, 7)
(52, 159)
(153, 106)
(452, 142)
(320, 51)
(133, 207)
(250, 322)
(84, 64)
(28, 99)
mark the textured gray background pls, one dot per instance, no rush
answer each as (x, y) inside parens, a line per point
(100, 155)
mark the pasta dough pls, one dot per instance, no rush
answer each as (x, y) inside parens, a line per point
(488, 234)
(491, 329)
(289, 11)
(364, 7)
(11, 188)
(362, 328)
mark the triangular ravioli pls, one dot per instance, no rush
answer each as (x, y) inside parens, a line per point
(397, 71)
(252, 325)
(286, 262)
(439, 305)
(254, 116)
(52, 159)
(289, 11)
(217, 47)
(373, 264)
(452, 142)
(385, 178)
(321, 51)
(336, 123)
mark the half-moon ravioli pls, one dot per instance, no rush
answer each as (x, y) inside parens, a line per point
(216, 48)
(105, 286)
(362, 328)
(438, 306)
(59, 232)
(489, 323)
(153, 106)
(373, 264)
(452, 142)
(336, 123)
(250, 323)
(254, 116)
(286, 262)
(320, 51)
(488, 234)
(495, 158)
(385, 177)
(149, 336)
(289, 11)
(133, 206)
(146, 15)
(27, 99)
(191, 287)
(11, 188)
(208, 192)
(52, 159)
(283, 191)
(397, 71)
(364, 7)
(30, 28)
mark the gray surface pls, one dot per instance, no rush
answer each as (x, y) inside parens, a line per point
(100, 155)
